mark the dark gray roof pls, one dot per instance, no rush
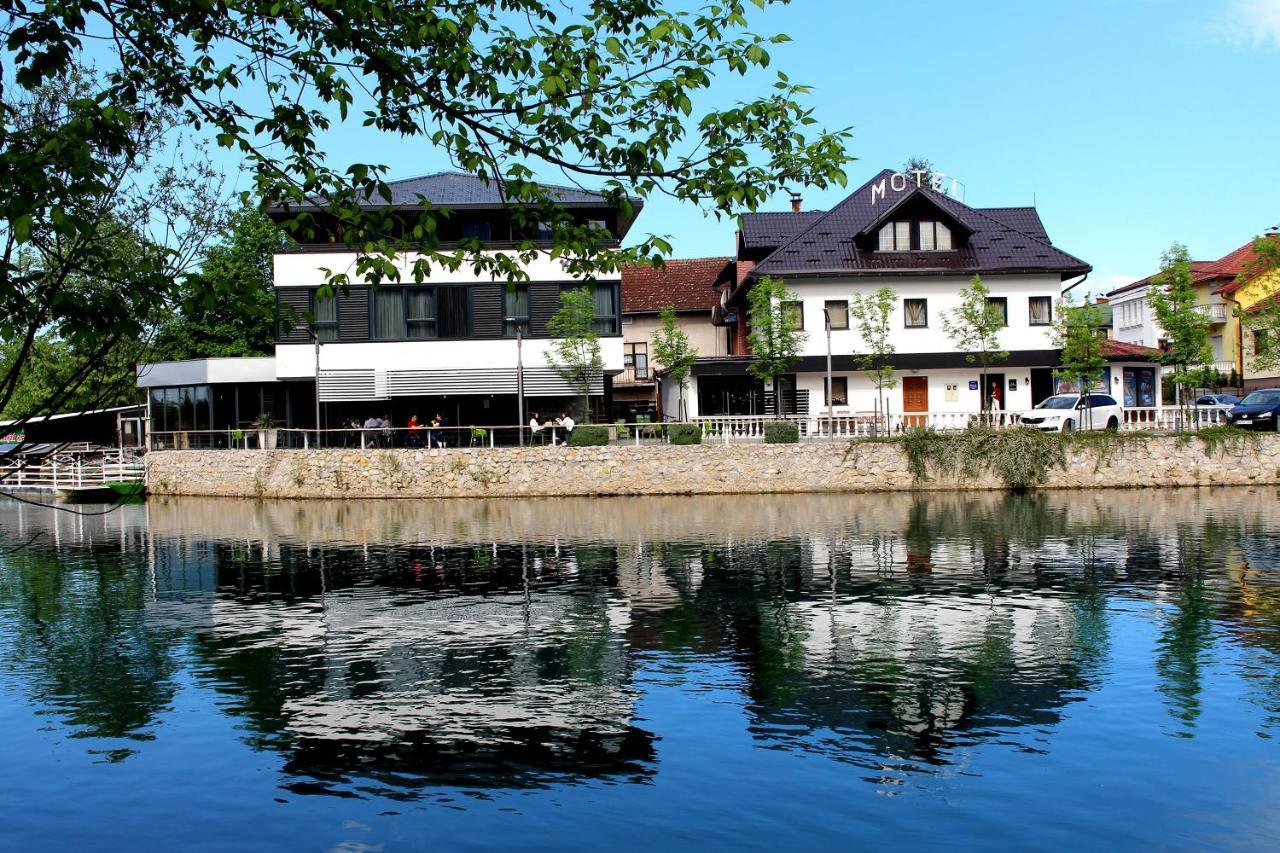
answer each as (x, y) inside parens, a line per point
(458, 189)
(771, 230)
(1001, 240)
(1024, 219)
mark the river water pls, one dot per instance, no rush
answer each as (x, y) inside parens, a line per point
(937, 671)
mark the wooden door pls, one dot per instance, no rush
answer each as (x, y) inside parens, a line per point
(915, 398)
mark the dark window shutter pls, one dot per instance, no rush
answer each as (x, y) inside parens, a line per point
(292, 304)
(353, 314)
(486, 305)
(544, 301)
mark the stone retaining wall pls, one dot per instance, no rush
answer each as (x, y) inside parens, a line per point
(672, 470)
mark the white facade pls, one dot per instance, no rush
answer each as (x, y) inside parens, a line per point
(362, 370)
(1132, 319)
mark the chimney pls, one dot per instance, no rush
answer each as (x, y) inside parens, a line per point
(795, 202)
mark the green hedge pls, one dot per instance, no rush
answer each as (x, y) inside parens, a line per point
(781, 432)
(589, 435)
(685, 434)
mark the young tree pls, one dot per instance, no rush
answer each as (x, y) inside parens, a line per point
(920, 170)
(671, 349)
(1076, 334)
(774, 335)
(974, 328)
(227, 308)
(871, 315)
(92, 272)
(601, 92)
(575, 352)
(1172, 297)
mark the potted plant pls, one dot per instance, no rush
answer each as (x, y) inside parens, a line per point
(266, 431)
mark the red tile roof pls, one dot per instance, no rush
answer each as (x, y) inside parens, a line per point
(688, 284)
(1116, 350)
(1227, 267)
(1237, 261)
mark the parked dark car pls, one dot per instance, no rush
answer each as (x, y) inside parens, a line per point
(1258, 410)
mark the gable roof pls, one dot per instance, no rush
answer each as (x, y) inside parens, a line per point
(1228, 267)
(687, 285)
(996, 243)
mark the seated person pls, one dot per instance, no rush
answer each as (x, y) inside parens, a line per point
(565, 423)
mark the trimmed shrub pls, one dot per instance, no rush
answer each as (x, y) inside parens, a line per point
(781, 432)
(589, 435)
(685, 434)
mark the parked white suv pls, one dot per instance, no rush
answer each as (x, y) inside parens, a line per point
(1069, 412)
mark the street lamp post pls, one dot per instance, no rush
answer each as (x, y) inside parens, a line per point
(831, 421)
(316, 338)
(520, 382)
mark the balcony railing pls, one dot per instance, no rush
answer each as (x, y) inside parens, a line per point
(1216, 312)
(630, 375)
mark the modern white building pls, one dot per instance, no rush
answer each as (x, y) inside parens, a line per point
(896, 232)
(447, 346)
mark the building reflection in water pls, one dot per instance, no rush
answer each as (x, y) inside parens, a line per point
(495, 644)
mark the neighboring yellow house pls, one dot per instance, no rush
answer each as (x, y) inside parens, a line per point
(1242, 294)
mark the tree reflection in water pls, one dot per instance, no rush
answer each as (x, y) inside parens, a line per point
(495, 644)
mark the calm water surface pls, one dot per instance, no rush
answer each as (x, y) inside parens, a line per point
(928, 672)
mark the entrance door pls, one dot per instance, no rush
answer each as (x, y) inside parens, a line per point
(915, 398)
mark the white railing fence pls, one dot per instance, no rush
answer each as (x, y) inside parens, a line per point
(725, 429)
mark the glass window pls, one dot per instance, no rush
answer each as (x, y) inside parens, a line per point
(838, 312)
(793, 312)
(388, 314)
(420, 312)
(1041, 310)
(606, 309)
(886, 238)
(477, 230)
(942, 237)
(1000, 306)
(325, 317)
(515, 310)
(902, 236)
(840, 384)
(636, 358)
(916, 312)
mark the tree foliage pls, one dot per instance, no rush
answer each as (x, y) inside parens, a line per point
(872, 315)
(974, 328)
(773, 335)
(672, 349)
(598, 92)
(1076, 333)
(575, 350)
(1172, 296)
(227, 307)
(101, 221)
(1261, 320)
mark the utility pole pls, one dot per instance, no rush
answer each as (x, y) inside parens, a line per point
(831, 421)
(315, 337)
(520, 382)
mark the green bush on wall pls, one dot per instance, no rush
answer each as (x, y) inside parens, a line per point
(589, 435)
(685, 434)
(781, 432)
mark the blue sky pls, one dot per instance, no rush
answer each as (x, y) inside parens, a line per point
(1133, 123)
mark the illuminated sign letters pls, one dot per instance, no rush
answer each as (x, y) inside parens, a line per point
(898, 182)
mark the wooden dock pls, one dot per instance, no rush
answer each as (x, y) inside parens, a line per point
(73, 479)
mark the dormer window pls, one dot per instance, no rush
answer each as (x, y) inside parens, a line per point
(934, 237)
(925, 236)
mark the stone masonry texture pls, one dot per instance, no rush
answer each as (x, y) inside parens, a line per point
(674, 470)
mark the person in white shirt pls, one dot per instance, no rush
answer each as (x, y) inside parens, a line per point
(565, 423)
(534, 426)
